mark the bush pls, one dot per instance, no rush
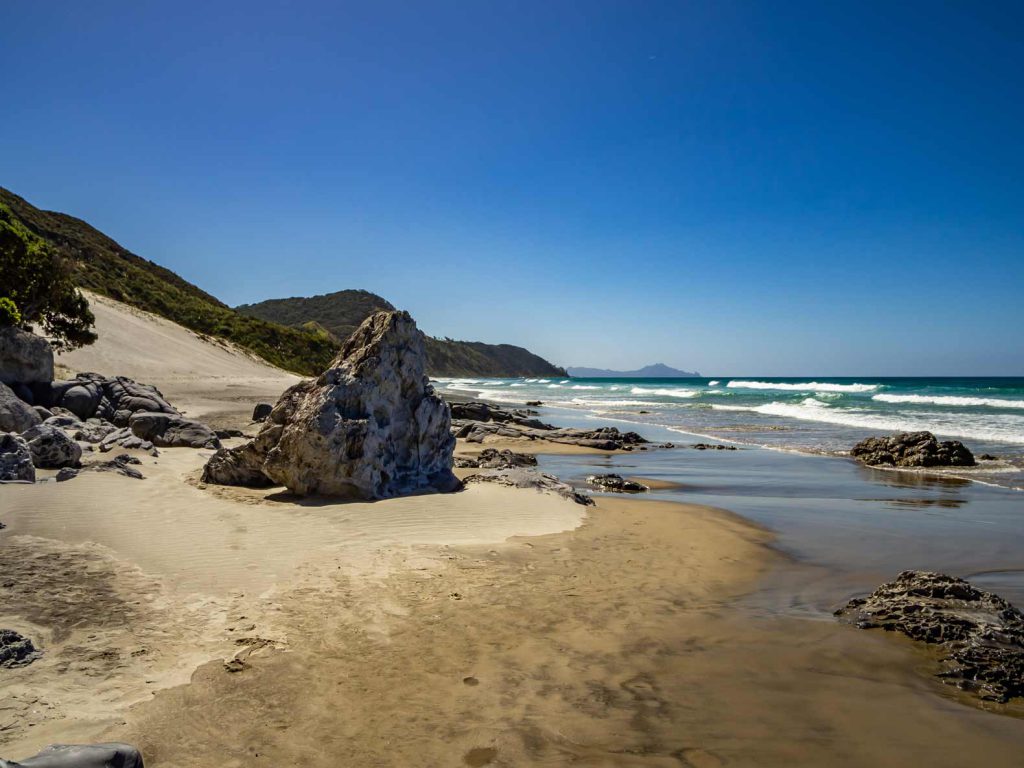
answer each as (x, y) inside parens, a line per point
(9, 314)
(37, 284)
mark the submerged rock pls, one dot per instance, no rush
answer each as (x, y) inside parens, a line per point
(617, 483)
(15, 459)
(713, 447)
(370, 427)
(912, 449)
(520, 477)
(981, 634)
(16, 650)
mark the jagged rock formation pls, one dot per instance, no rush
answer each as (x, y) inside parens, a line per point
(51, 448)
(981, 633)
(24, 357)
(16, 650)
(616, 483)
(524, 477)
(370, 427)
(490, 458)
(912, 449)
(15, 414)
(15, 460)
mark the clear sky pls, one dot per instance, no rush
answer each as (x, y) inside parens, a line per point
(765, 188)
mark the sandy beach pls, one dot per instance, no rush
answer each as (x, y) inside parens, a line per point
(494, 626)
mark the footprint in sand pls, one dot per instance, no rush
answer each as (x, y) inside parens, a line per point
(480, 756)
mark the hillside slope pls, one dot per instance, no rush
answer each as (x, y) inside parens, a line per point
(340, 312)
(103, 266)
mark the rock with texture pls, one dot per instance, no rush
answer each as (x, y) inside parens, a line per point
(15, 459)
(15, 414)
(16, 650)
(490, 458)
(169, 430)
(616, 483)
(51, 447)
(981, 634)
(370, 427)
(520, 477)
(912, 449)
(24, 357)
(261, 411)
(111, 755)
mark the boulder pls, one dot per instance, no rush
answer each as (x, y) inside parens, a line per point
(15, 414)
(24, 357)
(44, 413)
(912, 449)
(51, 448)
(82, 756)
(15, 459)
(981, 635)
(524, 477)
(370, 427)
(261, 411)
(16, 650)
(82, 399)
(616, 483)
(490, 458)
(168, 430)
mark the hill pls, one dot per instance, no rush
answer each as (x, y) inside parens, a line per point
(339, 313)
(102, 265)
(297, 334)
(656, 371)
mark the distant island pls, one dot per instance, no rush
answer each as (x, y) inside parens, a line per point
(656, 371)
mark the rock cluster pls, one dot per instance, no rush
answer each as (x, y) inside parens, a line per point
(981, 634)
(370, 427)
(491, 458)
(16, 650)
(713, 447)
(15, 459)
(520, 477)
(616, 483)
(912, 449)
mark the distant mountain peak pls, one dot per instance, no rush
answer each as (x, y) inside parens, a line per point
(655, 371)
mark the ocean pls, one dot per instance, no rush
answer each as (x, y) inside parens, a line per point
(804, 414)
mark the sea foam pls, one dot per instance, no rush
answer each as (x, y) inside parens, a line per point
(664, 392)
(963, 402)
(809, 386)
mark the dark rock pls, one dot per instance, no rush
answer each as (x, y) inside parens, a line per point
(485, 412)
(82, 399)
(15, 414)
(15, 459)
(94, 432)
(616, 483)
(981, 634)
(369, 427)
(51, 448)
(16, 650)
(261, 411)
(169, 430)
(64, 420)
(713, 447)
(43, 413)
(489, 458)
(520, 477)
(534, 403)
(24, 357)
(912, 449)
(224, 434)
(988, 457)
(23, 392)
(111, 755)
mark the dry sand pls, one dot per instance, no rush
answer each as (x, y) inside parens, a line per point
(230, 627)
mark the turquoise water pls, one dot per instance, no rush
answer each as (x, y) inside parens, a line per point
(807, 414)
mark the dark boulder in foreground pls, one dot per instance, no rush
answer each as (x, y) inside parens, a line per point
(370, 427)
(169, 430)
(981, 634)
(261, 411)
(912, 449)
(15, 460)
(617, 483)
(16, 650)
(82, 756)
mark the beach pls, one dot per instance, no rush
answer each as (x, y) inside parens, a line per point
(493, 626)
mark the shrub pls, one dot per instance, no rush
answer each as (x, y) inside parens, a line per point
(9, 314)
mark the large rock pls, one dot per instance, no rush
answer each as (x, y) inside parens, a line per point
(15, 414)
(616, 483)
(526, 477)
(169, 430)
(15, 459)
(24, 357)
(912, 449)
(981, 634)
(370, 427)
(16, 650)
(51, 447)
(82, 756)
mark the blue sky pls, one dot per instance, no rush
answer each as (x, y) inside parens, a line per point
(741, 188)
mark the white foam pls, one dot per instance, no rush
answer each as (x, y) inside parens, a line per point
(809, 386)
(584, 386)
(964, 402)
(554, 386)
(664, 392)
(714, 383)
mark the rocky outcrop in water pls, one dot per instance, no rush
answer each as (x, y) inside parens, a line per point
(912, 449)
(981, 634)
(24, 357)
(616, 483)
(15, 459)
(16, 650)
(490, 458)
(524, 477)
(370, 427)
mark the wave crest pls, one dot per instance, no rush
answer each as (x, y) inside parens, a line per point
(809, 386)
